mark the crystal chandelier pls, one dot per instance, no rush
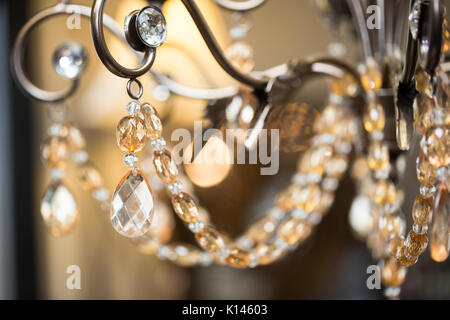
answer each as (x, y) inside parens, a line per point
(376, 110)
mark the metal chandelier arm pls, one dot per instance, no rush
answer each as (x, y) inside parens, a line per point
(213, 46)
(105, 55)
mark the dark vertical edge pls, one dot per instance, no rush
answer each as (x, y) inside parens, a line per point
(22, 129)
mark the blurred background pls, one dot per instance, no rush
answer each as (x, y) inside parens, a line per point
(331, 265)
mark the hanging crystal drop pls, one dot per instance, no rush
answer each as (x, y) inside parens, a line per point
(439, 236)
(59, 209)
(132, 205)
(404, 126)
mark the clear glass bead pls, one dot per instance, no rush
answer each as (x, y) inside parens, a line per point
(80, 157)
(133, 108)
(131, 160)
(175, 187)
(158, 144)
(427, 191)
(196, 226)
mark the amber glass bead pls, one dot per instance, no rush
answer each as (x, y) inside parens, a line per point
(360, 168)
(185, 207)
(262, 229)
(238, 258)
(425, 171)
(89, 176)
(326, 200)
(345, 86)
(404, 260)
(165, 167)
(319, 158)
(374, 119)
(294, 231)
(436, 145)
(378, 157)
(149, 246)
(131, 134)
(76, 139)
(336, 166)
(421, 211)
(424, 121)
(392, 273)
(385, 192)
(422, 80)
(328, 119)
(286, 198)
(152, 121)
(371, 79)
(268, 253)
(446, 37)
(391, 224)
(55, 152)
(310, 197)
(396, 244)
(211, 240)
(416, 243)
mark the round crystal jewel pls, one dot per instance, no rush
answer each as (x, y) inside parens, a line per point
(70, 60)
(151, 26)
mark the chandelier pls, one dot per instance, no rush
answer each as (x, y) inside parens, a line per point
(376, 110)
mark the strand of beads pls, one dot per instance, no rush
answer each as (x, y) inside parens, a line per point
(58, 206)
(290, 232)
(385, 195)
(240, 53)
(432, 206)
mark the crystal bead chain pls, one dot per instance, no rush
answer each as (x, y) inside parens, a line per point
(58, 206)
(296, 228)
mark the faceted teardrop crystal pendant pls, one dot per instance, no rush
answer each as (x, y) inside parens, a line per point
(59, 209)
(404, 126)
(132, 205)
(439, 235)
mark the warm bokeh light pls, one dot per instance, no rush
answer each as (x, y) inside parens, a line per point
(211, 165)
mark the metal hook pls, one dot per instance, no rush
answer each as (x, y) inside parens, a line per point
(134, 96)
